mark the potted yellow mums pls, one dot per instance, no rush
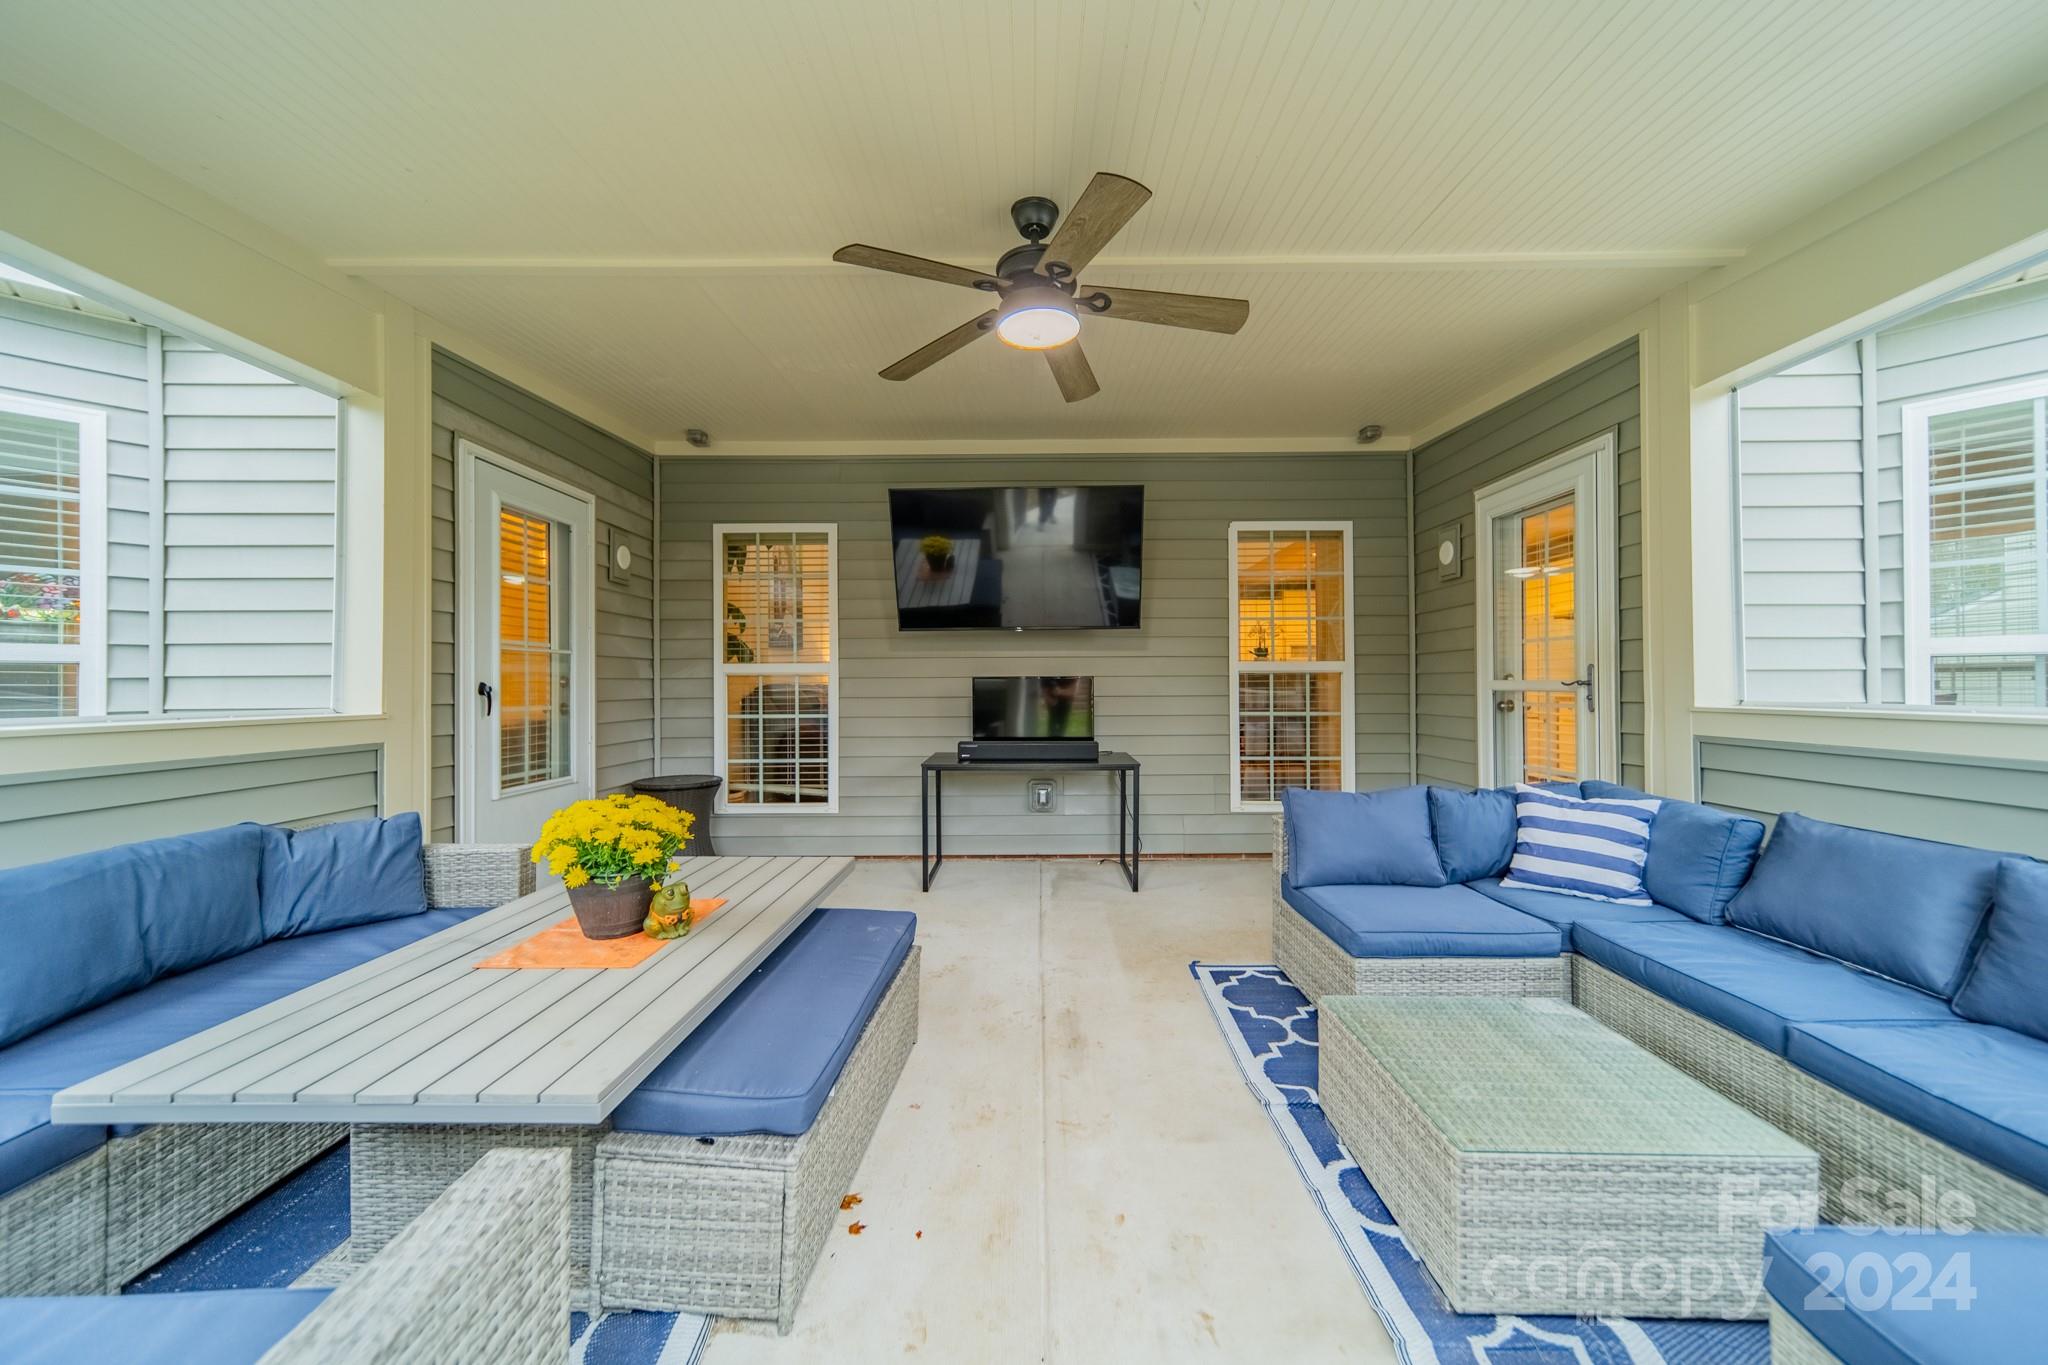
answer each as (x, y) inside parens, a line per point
(613, 853)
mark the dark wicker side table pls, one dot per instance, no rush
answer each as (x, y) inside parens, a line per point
(693, 792)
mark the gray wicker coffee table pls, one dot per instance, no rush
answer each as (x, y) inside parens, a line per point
(1538, 1162)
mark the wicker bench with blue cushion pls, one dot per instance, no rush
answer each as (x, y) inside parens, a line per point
(719, 1181)
(113, 955)
(1850, 1296)
(483, 1274)
(1877, 997)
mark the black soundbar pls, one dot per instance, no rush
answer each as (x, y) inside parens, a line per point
(1029, 751)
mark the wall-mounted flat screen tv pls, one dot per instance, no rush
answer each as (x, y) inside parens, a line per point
(1043, 558)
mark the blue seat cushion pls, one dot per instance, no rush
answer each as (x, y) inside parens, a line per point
(1360, 838)
(1564, 911)
(219, 1326)
(1981, 1089)
(1421, 921)
(349, 872)
(1906, 908)
(176, 1007)
(1699, 857)
(1751, 985)
(767, 1058)
(1804, 1269)
(1474, 831)
(85, 929)
(2004, 986)
(31, 1146)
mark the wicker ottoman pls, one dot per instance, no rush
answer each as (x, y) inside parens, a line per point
(1538, 1162)
(732, 1226)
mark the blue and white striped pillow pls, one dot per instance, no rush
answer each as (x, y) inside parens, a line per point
(1578, 847)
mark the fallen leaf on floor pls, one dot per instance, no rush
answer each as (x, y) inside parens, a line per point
(848, 1201)
(920, 1234)
(856, 1229)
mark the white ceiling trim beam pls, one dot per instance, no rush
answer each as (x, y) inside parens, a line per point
(947, 449)
(1682, 258)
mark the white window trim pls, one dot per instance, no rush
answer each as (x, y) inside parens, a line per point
(1921, 647)
(720, 669)
(1238, 666)
(1507, 497)
(90, 653)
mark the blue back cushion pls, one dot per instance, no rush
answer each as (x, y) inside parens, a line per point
(1360, 838)
(2008, 985)
(1699, 856)
(1475, 832)
(1577, 847)
(83, 930)
(350, 872)
(1905, 908)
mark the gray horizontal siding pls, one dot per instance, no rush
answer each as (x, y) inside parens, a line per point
(474, 405)
(1988, 803)
(52, 815)
(1161, 691)
(1803, 552)
(1598, 396)
(250, 467)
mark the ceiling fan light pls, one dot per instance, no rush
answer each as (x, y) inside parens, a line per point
(1037, 320)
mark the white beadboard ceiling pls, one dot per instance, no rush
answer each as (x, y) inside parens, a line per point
(639, 198)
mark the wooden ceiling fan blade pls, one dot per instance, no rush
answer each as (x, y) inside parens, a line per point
(1206, 312)
(932, 352)
(896, 263)
(1098, 215)
(1070, 367)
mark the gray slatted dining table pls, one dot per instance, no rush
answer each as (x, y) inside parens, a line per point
(420, 1036)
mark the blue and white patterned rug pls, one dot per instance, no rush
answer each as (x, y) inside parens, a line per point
(1270, 1027)
(281, 1236)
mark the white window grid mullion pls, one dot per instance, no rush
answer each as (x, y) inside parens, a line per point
(752, 571)
(1241, 533)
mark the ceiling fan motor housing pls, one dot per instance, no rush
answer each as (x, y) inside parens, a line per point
(1034, 216)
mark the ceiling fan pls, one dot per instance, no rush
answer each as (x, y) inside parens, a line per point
(1041, 299)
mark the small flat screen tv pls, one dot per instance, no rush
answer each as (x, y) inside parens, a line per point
(1043, 558)
(1034, 708)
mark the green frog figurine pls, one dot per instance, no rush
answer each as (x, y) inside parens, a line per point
(669, 914)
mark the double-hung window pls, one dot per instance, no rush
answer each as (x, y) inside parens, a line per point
(1976, 467)
(776, 669)
(53, 548)
(1291, 692)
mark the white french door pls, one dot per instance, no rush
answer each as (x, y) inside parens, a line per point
(1546, 636)
(525, 640)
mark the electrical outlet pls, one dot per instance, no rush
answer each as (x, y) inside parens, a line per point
(1041, 796)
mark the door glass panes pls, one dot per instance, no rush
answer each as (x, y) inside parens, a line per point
(775, 604)
(533, 656)
(1536, 636)
(1292, 605)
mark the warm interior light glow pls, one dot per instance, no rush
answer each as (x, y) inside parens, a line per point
(1039, 327)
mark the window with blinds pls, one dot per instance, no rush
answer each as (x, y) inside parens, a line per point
(776, 690)
(1981, 497)
(52, 558)
(1290, 666)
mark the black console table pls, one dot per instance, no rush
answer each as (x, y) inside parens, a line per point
(931, 804)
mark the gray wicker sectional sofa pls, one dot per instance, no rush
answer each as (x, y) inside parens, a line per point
(1863, 992)
(115, 954)
(482, 1274)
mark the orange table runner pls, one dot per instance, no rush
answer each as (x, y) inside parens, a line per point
(562, 945)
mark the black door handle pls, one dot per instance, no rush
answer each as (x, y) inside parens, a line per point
(483, 689)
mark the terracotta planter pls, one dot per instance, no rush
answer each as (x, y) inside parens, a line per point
(611, 911)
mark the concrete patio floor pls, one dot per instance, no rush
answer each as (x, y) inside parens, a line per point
(1091, 1180)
